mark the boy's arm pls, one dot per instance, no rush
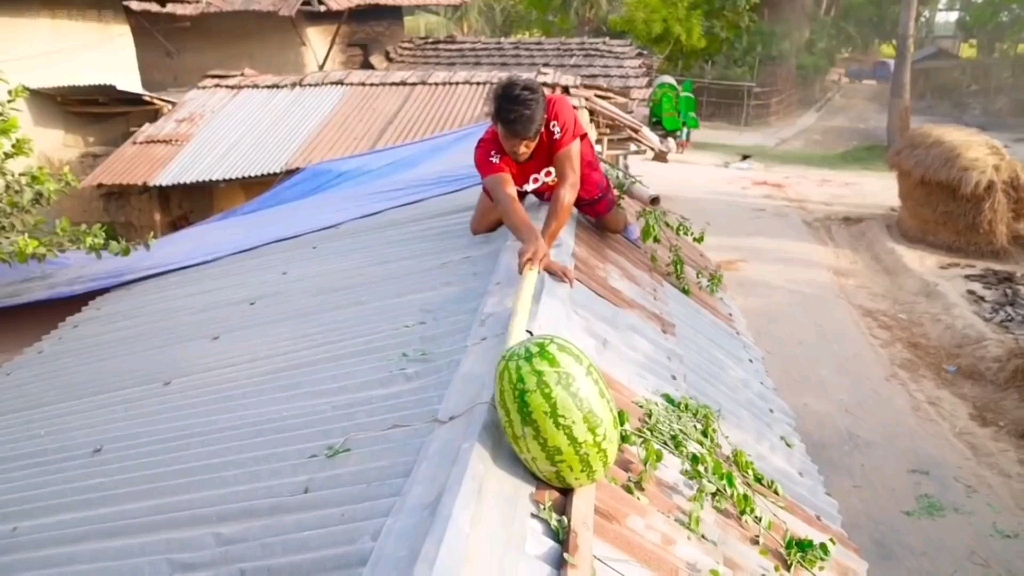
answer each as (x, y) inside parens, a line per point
(512, 211)
(567, 170)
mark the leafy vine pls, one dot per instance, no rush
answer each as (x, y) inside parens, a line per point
(690, 431)
(660, 228)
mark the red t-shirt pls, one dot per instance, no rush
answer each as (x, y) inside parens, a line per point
(537, 174)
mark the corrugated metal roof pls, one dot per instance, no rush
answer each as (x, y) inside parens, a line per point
(194, 110)
(178, 425)
(133, 164)
(435, 109)
(373, 117)
(256, 134)
(171, 426)
(252, 125)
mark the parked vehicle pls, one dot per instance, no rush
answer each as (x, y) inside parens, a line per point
(880, 71)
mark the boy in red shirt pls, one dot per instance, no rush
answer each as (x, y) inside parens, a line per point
(537, 145)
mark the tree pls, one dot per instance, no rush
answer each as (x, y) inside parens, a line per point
(686, 33)
(994, 24)
(25, 194)
(864, 24)
(898, 122)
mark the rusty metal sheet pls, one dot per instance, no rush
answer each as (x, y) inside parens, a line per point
(355, 125)
(374, 117)
(184, 120)
(133, 165)
(434, 110)
(255, 135)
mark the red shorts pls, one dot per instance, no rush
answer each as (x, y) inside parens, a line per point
(594, 206)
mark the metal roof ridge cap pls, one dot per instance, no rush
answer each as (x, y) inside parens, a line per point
(463, 446)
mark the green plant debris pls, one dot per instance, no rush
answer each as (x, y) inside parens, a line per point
(787, 442)
(927, 507)
(690, 431)
(865, 157)
(335, 450)
(806, 553)
(559, 523)
(1003, 534)
(660, 228)
(919, 472)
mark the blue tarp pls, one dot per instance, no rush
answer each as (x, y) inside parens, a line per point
(316, 198)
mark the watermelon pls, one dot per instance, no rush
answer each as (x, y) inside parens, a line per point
(557, 411)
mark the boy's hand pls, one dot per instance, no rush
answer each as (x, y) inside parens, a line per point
(534, 253)
(560, 272)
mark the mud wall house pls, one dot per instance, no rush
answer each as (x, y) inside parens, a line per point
(233, 137)
(178, 41)
(77, 57)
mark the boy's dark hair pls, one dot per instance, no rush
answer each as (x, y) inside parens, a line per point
(519, 106)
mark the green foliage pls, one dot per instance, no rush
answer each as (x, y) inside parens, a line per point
(26, 193)
(864, 24)
(489, 18)
(726, 480)
(686, 33)
(997, 25)
(570, 17)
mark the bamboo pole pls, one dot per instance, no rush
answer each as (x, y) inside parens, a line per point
(521, 307)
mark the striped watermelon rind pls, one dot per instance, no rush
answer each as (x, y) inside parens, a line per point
(557, 411)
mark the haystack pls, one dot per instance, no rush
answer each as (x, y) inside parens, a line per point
(959, 190)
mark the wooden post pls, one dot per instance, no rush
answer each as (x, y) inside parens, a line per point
(579, 545)
(898, 122)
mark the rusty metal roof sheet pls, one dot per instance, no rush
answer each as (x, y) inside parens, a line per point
(133, 164)
(372, 117)
(247, 125)
(599, 62)
(650, 339)
(282, 7)
(255, 134)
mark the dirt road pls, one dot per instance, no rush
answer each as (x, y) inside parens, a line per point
(923, 489)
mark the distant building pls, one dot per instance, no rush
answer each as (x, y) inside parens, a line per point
(78, 59)
(178, 41)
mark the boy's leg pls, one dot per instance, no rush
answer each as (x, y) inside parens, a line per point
(608, 216)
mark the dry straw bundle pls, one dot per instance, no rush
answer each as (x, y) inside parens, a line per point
(959, 190)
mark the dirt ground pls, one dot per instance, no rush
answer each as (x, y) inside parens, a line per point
(877, 350)
(855, 117)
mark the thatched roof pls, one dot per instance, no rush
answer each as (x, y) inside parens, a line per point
(957, 156)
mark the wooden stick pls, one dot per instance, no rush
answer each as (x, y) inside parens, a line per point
(521, 307)
(579, 545)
